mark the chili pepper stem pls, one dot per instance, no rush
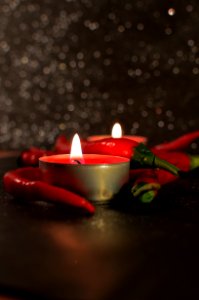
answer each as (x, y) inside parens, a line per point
(194, 161)
(145, 192)
(143, 157)
(149, 196)
(163, 164)
(144, 187)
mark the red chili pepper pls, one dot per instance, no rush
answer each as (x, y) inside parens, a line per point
(180, 143)
(148, 182)
(179, 159)
(26, 183)
(31, 157)
(146, 185)
(139, 154)
(110, 146)
(62, 145)
(151, 175)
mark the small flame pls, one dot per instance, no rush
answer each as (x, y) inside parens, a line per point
(116, 131)
(76, 149)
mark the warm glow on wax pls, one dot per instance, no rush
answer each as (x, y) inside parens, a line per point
(116, 131)
(76, 149)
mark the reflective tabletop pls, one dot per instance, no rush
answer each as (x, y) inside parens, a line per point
(123, 251)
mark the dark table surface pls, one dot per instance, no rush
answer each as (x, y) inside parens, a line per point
(127, 252)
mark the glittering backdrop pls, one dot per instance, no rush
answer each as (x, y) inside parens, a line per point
(68, 66)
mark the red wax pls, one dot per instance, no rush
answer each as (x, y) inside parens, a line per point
(137, 138)
(88, 159)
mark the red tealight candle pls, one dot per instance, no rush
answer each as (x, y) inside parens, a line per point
(117, 133)
(96, 177)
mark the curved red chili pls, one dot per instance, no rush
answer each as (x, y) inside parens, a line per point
(26, 183)
(178, 144)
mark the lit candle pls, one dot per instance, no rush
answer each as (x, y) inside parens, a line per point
(94, 176)
(117, 133)
(76, 150)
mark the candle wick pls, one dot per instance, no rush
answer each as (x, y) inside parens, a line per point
(77, 161)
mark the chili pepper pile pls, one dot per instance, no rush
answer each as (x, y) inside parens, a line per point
(147, 182)
(27, 182)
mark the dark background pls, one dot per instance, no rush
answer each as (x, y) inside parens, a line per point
(68, 66)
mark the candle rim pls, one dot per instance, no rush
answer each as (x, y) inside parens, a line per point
(45, 159)
(137, 138)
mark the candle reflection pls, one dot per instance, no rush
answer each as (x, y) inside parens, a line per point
(89, 260)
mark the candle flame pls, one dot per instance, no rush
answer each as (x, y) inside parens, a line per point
(76, 149)
(116, 131)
